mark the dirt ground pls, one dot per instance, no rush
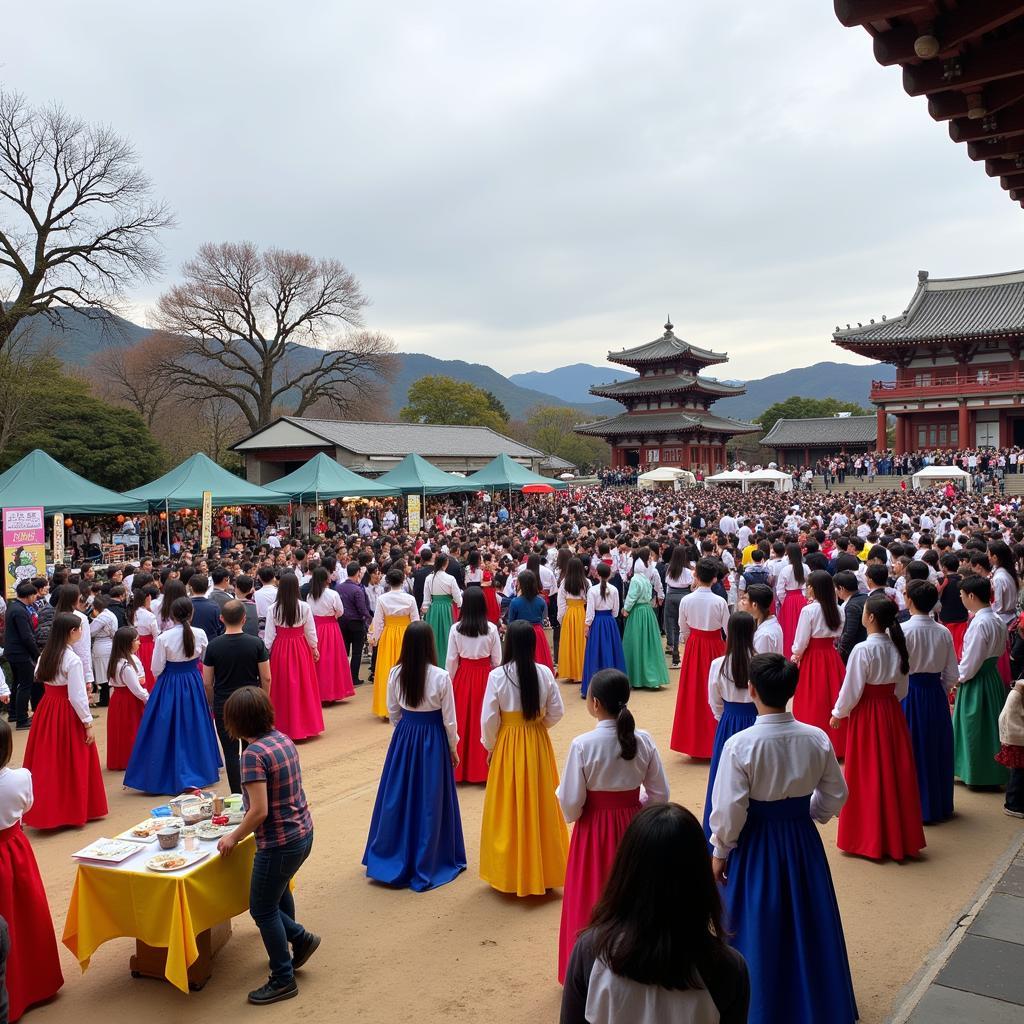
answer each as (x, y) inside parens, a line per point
(464, 952)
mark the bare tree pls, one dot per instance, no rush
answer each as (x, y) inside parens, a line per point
(132, 375)
(271, 330)
(77, 222)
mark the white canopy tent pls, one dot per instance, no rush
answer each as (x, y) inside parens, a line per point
(664, 477)
(730, 477)
(930, 476)
(773, 478)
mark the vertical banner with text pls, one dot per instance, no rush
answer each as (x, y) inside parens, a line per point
(24, 535)
(415, 512)
(58, 538)
(207, 534)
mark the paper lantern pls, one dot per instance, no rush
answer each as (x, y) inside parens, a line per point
(69, 522)
(120, 519)
(163, 515)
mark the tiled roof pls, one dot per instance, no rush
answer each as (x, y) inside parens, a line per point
(426, 439)
(949, 308)
(662, 423)
(822, 430)
(668, 346)
(666, 383)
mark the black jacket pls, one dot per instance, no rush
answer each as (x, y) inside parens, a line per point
(853, 629)
(206, 616)
(20, 639)
(419, 577)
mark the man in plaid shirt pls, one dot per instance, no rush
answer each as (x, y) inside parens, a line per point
(277, 812)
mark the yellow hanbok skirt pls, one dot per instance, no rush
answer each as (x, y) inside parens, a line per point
(573, 642)
(389, 648)
(524, 842)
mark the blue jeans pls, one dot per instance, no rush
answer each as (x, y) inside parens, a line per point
(271, 904)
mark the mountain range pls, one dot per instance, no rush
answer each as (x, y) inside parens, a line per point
(79, 337)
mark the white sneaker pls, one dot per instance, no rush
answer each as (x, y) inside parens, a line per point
(1012, 813)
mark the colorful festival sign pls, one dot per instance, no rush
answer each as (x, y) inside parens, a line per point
(24, 535)
(415, 522)
(207, 534)
(58, 538)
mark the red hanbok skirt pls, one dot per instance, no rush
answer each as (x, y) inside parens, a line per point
(493, 605)
(469, 684)
(543, 656)
(592, 848)
(882, 817)
(294, 690)
(821, 677)
(333, 674)
(146, 645)
(123, 718)
(788, 616)
(957, 630)
(693, 728)
(66, 776)
(33, 965)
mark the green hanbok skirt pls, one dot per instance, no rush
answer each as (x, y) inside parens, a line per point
(641, 642)
(439, 617)
(976, 728)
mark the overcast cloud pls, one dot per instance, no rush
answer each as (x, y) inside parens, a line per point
(529, 184)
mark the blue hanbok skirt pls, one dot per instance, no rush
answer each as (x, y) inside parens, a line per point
(737, 716)
(176, 745)
(415, 838)
(604, 648)
(926, 706)
(782, 910)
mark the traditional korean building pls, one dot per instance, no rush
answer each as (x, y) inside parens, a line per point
(956, 352)
(668, 418)
(803, 442)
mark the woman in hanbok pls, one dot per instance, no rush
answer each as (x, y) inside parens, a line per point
(415, 838)
(333, 674)
(61, 748)
(572, 603)
(396, 608)
(32, 971)
(1004, 596)
(71, 601)
(532, 607)
(128, 697)
(140, 615)
(490, 588)
(604, 641)
(641, 640)
(292, 640)
(789, 593)
(523, 839)
(176, 745)
(101, 632)
(441, 596)
(474, 648)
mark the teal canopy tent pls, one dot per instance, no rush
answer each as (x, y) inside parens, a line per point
(414, 475)
(505, 474)
(183, 487)
(39, 480)
(322, 477)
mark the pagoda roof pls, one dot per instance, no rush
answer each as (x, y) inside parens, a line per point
(665, 423)
(667, 347)
(822, 430)
(666, 383)
(946, 309)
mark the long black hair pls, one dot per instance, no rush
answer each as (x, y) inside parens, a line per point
(318, 582)
(174, 590)
(121, 650)
(884, 611)
(286, 607)
(418, 652)
(575, 579)
(181, 614)
(739, 647)
(604, 572)
(824, 589)
(1003, 556)
(473, 613)
(611, 688)
(64, 624)
(68, 596)
(529, 585)
(659, 920)
(521, 651)
(796, 559)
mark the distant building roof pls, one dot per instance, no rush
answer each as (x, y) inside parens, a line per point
(556, 462)
(663, 383)
(668, 346)
(944, 310)
(662, 423)
(822, 430)
(387, 439)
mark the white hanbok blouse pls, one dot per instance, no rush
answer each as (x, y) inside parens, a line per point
(83, 648)
(564, 599)
(393, 602)
(327, 605)
(985, 638)
(502, 694)
(768, 637)
(462, 647)
(596, 603)
(785, 581)
(721, 688)
(438, 584)
(595, 763)
(15, 795)
(811, 625)
(171, 647)
(874, 662)
(130, 674)
(146, 623)
(1004, 595)
(71, 673)
(702, 609)
(930, 646)
(305, 621)
(437, 695)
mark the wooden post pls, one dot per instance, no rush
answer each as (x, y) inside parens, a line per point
(901, 434)
(880, 430)
(964, 427)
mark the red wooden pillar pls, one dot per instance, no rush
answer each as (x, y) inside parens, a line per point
(880, 430)
(964, 439)
(901, 435)
(1004, 429)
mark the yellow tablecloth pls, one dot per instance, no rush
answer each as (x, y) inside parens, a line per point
(164, 910)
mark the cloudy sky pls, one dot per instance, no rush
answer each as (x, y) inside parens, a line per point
(529, 184)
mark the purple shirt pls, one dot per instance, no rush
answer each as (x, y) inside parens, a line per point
(353, 600)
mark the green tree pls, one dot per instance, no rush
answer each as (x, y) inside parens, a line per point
(437, 399)
(550, 428)
(495, 404)
(108, 445)
(798, 408)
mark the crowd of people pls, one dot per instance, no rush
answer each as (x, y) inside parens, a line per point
(801, 629)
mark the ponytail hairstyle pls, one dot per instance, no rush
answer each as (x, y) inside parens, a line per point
(739, 647)
(824, 590)
(64, 624)
(521, 651)
(318, 582)
(604, 572)
(796, 559)
(884, 611)
(121, 650)
(181, 615)
(611, 688)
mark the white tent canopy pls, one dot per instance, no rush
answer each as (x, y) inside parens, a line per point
(729, 476)
(775, 478)
(932, 475)
(665, 475)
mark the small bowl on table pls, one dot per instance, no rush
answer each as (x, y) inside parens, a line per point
(168, 838)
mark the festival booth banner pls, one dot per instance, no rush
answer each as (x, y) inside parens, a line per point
(58, 538)
(415, 513)
(24, 536)
(207, 533)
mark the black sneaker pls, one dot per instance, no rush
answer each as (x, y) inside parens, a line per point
(273, 993)
(304, 950)
(27, 724)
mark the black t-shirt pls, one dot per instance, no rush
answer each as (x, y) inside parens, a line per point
(235, 659)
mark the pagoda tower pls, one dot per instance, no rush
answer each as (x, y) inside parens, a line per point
(668, 419)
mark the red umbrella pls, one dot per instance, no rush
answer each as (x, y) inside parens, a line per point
(538, 489)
